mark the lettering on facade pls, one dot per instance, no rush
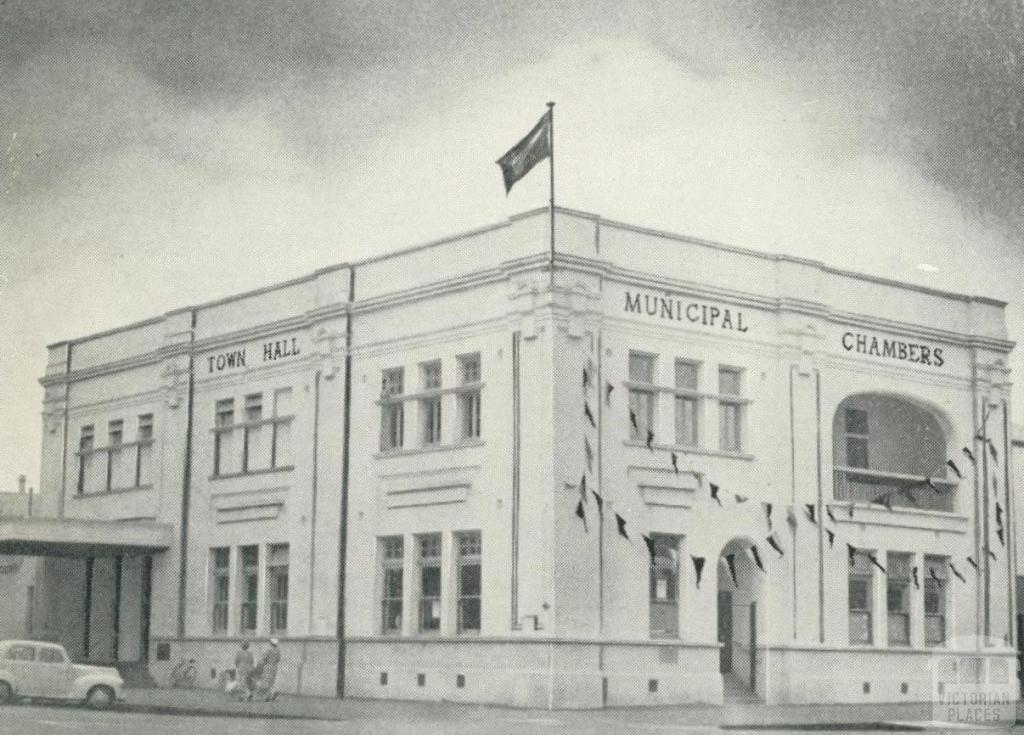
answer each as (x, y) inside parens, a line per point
(270, 352)
(666, 307)
(893, 349)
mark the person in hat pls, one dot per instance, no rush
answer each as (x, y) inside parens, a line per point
(244, 664)
(268, 670)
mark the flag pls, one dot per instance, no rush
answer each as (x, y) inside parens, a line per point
(714, 493)
(929, 483)
(999, 513)
(956, 470)
(622, 526)
(675, 463)
(589, 452)
(933, 575)
(730, 561)
(974, 564)
(828, 511)
(583, 488)
(586, 378)
(917, 582)
(874, 560)
(992, 554)
(608, 388)
(831, 538)
(790, 516)
(905, 492)
(768, 514)
(999, 534)
(956, 573)
(650, 546)
(757, 556)
(588, 414)
(581, 514)
(599, 500)
(698, 567)
(774, 544)
(527, 153)
(992, 450)
(810, 512)
(851, 552)
(851, 509)
(883, 500)
(970, 455)
(650, 440)
(741, 498)
(632, 420)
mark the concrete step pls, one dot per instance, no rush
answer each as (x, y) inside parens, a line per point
(135, 674)
(735, 690)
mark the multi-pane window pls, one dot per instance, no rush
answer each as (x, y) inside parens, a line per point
(281, 439)
(225, 454)
(392, 413)
(860, 599)
(856, 425)
(641, 397)
(277, 582)
(898, 598)
(687, 404)
(430, 405)
(469, 581)
(144, 450)
(730, 411)
(935, 600)
(85, 456)
(248, 587)
(120, 459)
(665, 587)
(469, 397)
(256, 447)
(392, 553)
(430, 582)
(220, 586)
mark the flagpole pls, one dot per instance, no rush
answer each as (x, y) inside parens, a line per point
(551, 206)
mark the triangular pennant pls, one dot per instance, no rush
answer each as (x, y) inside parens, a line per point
(730, 561)
(917, 582)
(874, 560)
(992, 450)
(970, 560)
(850, 509)
(582, 515)
(599, 500)
(714, 493)
(698, 567)
(883, 499)
(933, 575)
(586, 378)
(608, 388)
(774, 544)
(999, 513)
(757, 556)
(932, 485)
(588, 451)
(675, 462)
(956, 470)
(810, 512)
(992, 554)
(831, 517)
(650, 546)
(790, 516)
(956, 573)
(741, 498)
(650, 440)
(851, 552)
(583, 488)
(905, 492)
(588, 414)
(970, 455)
(622, 526)
(633, 421)
(831, 538)
(999, 535)
(768, 514)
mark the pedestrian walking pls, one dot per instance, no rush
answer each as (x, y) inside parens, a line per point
(268, 671)
(244, 664)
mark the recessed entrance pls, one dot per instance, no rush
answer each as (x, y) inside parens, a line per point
(740, 585)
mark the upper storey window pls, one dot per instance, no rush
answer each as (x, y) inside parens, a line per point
(730, 409)
(392, 410)
(121, 462)
(430, 404)
(260, 441)
(642, 416)
(885, 448)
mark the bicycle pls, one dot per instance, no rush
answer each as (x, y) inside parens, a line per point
(183, 675)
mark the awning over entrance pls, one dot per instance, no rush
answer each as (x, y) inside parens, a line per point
(77, 537)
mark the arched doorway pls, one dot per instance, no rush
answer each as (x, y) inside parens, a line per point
(740, 616)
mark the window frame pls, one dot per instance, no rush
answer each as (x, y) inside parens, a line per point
(248, 605)
(469, 554)
(894, 560)
(277, 606)
(86, 448)
(731, 404)
(687, 395)
(392, 409)
(643, 394)
(868, 579)
(932, 587)
(430, 404)
(468, 396)
(665, 567)
(392, 560)
(427, 563)
(220, 608)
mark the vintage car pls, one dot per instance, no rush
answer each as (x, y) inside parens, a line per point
(41, 670)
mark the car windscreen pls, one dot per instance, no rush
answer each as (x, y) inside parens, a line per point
(18, 652)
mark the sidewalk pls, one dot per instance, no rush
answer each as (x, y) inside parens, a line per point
(433, 716)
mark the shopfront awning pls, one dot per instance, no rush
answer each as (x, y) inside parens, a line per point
(77, 537)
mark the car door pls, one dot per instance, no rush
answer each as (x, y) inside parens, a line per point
(53, 671)
(20, 659)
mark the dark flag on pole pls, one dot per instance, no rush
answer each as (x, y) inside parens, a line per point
(714, 493)
(970, 455)
(588, 414)
(917, 582)
(991, 554)
(757, 556)
(698, 567)
(932, 485)
(831, 538)
(650, 546)
(730, 561)
(956, 470)
(622, 526)
(768, 514)
(828, 511)
(608, 388)
(527, 153)
(581, 514)
(774, 544)
(999, 514)
(810, 512)
(675, 463)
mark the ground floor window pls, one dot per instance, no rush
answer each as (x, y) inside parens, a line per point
(935, 579)
(898, 598)
(430, 583)
(860, 599)
(392, 553)
(277, 582)
(220, 584)
(468, 546)
(664, 584)
(249, 586)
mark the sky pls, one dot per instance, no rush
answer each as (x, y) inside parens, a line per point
(158, 154)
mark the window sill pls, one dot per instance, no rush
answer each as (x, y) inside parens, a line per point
(685, 449)
(251, 473)
(428, 449)
(112, 491)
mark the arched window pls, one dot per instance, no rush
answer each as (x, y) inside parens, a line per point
(890, 451)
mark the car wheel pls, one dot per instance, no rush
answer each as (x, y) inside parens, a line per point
(100, 697)
(6, 692)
